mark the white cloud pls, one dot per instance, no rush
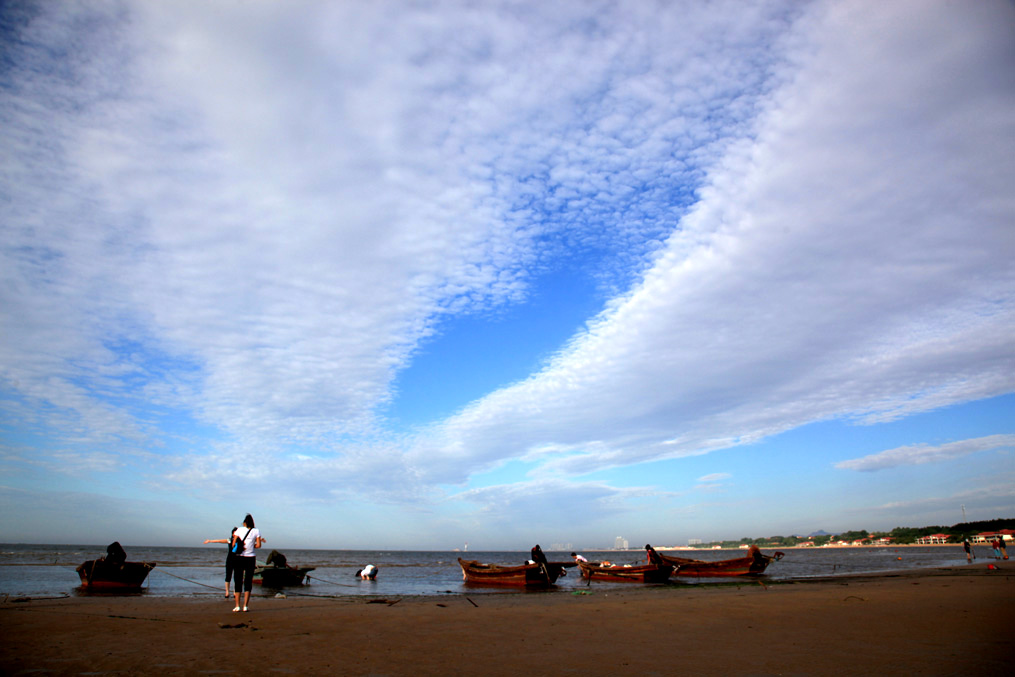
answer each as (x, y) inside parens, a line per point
(714, 477)
(984, 499)
(276, 207)
(850, 260)
(918, 454)
(289, 201)
(227, 232)
(555, 509)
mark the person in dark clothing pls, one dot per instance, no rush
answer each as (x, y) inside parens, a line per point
(230, 557)
(653, 556)
(115, 554)
(537, 555)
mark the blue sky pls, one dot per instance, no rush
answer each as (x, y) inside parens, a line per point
(393, 276)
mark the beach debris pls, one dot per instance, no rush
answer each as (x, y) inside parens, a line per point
(581, 592)
(846, 599)
(280, 595)
(232, 626)
(472, 603)
(389, 602)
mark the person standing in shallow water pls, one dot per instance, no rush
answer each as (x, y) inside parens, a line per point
(230, 558)
(249, 538)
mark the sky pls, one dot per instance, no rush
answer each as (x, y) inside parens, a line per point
(415, 275)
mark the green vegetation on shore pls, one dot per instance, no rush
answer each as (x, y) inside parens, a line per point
(898, 535)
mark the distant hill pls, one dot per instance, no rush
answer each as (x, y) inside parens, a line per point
(899, 535)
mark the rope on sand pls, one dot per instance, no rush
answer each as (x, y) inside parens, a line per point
(294, 593)
(19, 599)
(324, 580)
(205, 585)
(288, 593)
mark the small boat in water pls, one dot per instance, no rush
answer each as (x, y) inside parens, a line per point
(113, 572)
(754, 564)
(627, 573)
(278, 573)
(535, 573)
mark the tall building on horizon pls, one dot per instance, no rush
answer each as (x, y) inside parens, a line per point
(620, 543)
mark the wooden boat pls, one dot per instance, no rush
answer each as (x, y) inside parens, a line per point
(635, 573)
(113, 572)
(280, 577)
(278, 573)
(753, 564)
(97, 574)
(536, 575)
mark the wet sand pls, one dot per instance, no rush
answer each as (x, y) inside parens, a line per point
(930, 622)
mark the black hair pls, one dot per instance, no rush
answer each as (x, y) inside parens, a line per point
(248, 521)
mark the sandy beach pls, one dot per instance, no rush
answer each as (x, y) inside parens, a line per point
(930, 622)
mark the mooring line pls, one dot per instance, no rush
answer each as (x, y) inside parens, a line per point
(324, 580)
(213, 587)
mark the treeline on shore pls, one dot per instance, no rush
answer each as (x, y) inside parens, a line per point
(898, 535)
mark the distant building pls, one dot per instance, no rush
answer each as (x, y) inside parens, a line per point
(988, 536)
(620, 543)
(934, 539)
(694, 541)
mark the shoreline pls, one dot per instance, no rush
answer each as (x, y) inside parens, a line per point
(935, 621)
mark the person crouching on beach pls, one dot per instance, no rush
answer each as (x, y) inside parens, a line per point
(367, 573)
(249, 539)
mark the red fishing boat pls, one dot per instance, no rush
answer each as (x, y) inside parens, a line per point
(278, 573)
(534, 575)
(628, 573)
(113, 572)
(754, 564)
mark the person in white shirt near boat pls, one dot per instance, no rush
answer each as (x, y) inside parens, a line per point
(245, 540)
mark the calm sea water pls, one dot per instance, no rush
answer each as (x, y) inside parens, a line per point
(48, 570)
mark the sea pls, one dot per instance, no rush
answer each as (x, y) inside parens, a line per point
(48, 571)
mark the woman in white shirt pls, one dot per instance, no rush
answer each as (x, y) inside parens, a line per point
(248, 538)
